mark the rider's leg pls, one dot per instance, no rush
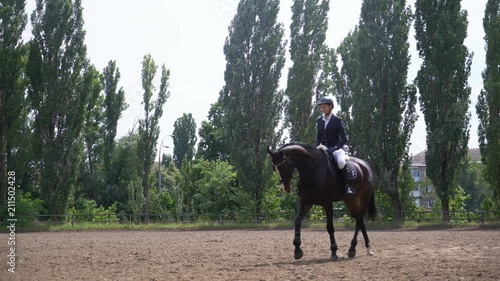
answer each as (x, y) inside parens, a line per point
(349, 191)
(341, 165)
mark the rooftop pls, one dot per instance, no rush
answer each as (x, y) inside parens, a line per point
(419, 158)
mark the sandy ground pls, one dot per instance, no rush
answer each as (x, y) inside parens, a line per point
(252, 255)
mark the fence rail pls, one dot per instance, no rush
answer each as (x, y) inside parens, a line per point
(122, 218)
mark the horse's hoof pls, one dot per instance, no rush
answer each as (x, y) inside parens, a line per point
(369, 251)
(298, 254)
(351, 254)
(334, 258)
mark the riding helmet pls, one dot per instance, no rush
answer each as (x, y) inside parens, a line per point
(325, 100)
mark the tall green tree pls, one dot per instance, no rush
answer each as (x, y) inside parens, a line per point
(345, 81)
(114, 100)
(12, 100)
(55, 65)
(473, 184)
(383, 109)
(126, 170)
(251, 102)
(308, 33)
(212, 145)
(184, 137)
(91, 178)
(441, 27)
(93, 118)
(216, 190)
(149, 129)
(488, 106)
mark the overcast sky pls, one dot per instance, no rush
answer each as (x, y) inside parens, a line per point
(188, 37)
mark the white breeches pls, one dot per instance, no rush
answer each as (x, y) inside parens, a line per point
(340, 157)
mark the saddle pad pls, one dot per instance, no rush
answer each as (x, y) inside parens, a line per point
(351, 171)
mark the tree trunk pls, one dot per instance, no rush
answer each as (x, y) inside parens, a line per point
(3, 160)
(146, 194)
(396, 203)
(445, 209)
(258, 205)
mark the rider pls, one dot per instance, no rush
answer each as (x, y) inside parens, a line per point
(331, 133)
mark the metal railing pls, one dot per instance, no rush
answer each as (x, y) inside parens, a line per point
(169, 218)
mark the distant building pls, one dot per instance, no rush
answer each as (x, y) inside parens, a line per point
(424, 193)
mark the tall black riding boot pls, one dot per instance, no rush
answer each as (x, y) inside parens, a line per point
(349, 191)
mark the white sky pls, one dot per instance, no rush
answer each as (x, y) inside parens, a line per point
(188, 37)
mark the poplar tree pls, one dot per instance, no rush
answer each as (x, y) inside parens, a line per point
(149, 129)
(488, 106)
(308, 33)
(441, 28)
(212, 145)
(251, 101)
(384, 106)
(345, 82)
(114, 101)
(56, 61)
(91, 178)
(184, 138)
(12, 100)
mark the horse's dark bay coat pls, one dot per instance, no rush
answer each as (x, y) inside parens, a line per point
(318, 186)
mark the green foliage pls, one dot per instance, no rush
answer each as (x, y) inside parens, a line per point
(383, 108)
(308, 33)
(488, 106)
(91, 180)
(58, 98)
(251, 102)
(457, 202)
(85, 210)
(184, 137)
(13, 113)
(216, 189)
(212, 145)
(149, 129)
(345, 81)
(279, 205)
(135, 201)
(406, 185)
(473, 182)
(125, 172)
(441, 28)
(162, 204)
(115, 104)
(26, 206)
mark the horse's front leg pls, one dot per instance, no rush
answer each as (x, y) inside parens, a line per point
(331, 232)
(303, 209)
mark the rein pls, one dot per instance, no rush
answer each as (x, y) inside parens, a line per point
(277, 165)
(292, 178)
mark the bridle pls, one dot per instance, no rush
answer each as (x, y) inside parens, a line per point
(292, 178)
(281, 163)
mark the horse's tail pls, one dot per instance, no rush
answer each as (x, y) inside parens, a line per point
(372, 209)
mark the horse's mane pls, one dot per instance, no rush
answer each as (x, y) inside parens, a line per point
(308, 147)
(310, 150)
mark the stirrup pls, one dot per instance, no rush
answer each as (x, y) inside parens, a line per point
(350, 191)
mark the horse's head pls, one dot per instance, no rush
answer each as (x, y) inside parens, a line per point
(282, 164)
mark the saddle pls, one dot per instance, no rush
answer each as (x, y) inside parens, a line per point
(333, 167)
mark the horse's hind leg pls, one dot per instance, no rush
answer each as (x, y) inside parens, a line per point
(367, 241)
(331, 232)
(354, 241)
(304, 208)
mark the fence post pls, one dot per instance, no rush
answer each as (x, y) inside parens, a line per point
(482, 217)
(72, 220)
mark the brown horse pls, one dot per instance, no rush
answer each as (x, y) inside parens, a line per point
(318, 185)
